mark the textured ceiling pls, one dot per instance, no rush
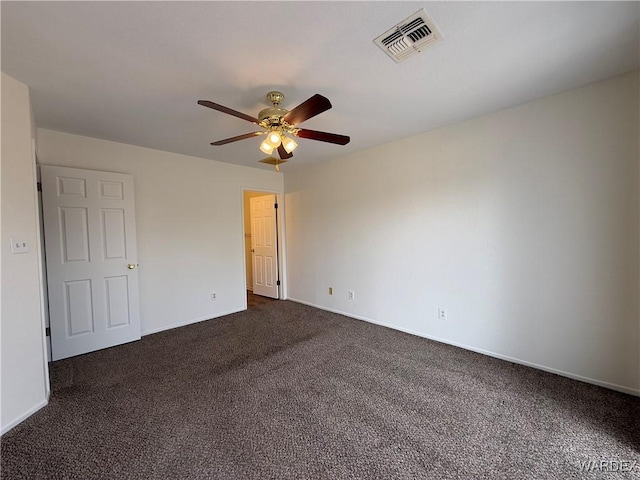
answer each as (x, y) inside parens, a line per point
(132, 72)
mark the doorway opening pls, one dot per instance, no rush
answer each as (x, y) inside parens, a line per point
(262, 246)
(254, 300)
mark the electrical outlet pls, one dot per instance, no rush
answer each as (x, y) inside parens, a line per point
(213, 296)
(330, 290)
(442, 313)
(352, 295)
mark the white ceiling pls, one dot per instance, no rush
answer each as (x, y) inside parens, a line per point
(132, 72)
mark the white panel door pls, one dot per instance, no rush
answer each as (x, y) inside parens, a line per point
(264, 245)
(91, 258)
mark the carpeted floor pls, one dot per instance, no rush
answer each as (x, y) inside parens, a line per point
(285, 391)
(254, 300)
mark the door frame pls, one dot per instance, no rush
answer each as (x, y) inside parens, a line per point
(281, 238)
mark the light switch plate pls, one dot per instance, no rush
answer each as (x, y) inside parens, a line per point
(19, 246)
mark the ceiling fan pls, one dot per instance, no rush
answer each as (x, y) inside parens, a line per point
(278, 122)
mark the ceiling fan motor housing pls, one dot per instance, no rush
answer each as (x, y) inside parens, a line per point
(272, 116)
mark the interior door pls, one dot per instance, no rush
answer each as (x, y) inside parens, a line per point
(91, 258)
(264, 245)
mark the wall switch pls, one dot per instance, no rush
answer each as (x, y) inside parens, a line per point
(330, 290)
(19, 246)
(213, 296)
(442, 313)
(352, 295)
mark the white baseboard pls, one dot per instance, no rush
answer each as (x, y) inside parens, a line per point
(593, 381)
(24, 416)
(189, 322)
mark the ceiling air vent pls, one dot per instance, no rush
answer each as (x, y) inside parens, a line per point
(409, 37)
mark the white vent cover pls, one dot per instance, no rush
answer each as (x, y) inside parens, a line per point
(409, 37)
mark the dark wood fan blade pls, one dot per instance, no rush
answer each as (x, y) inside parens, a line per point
(229, 111)
(239, 137)
(283, 153)
(323, 136)
(307, 109)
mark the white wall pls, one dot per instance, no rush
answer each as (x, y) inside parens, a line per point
(523, 224)
(24, 376)
(189, 224)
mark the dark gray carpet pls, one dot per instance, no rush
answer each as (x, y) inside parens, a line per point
(285, 391)
(254, 300)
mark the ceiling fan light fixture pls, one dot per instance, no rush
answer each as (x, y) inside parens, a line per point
(266, 147)
(289, 144)
(272, 142)
(274, 139)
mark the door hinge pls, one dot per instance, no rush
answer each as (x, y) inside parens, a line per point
(275, 206)
(47, 332)
(278, 283)
(39, 186)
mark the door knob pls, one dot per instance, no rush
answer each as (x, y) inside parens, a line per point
(131, 266)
